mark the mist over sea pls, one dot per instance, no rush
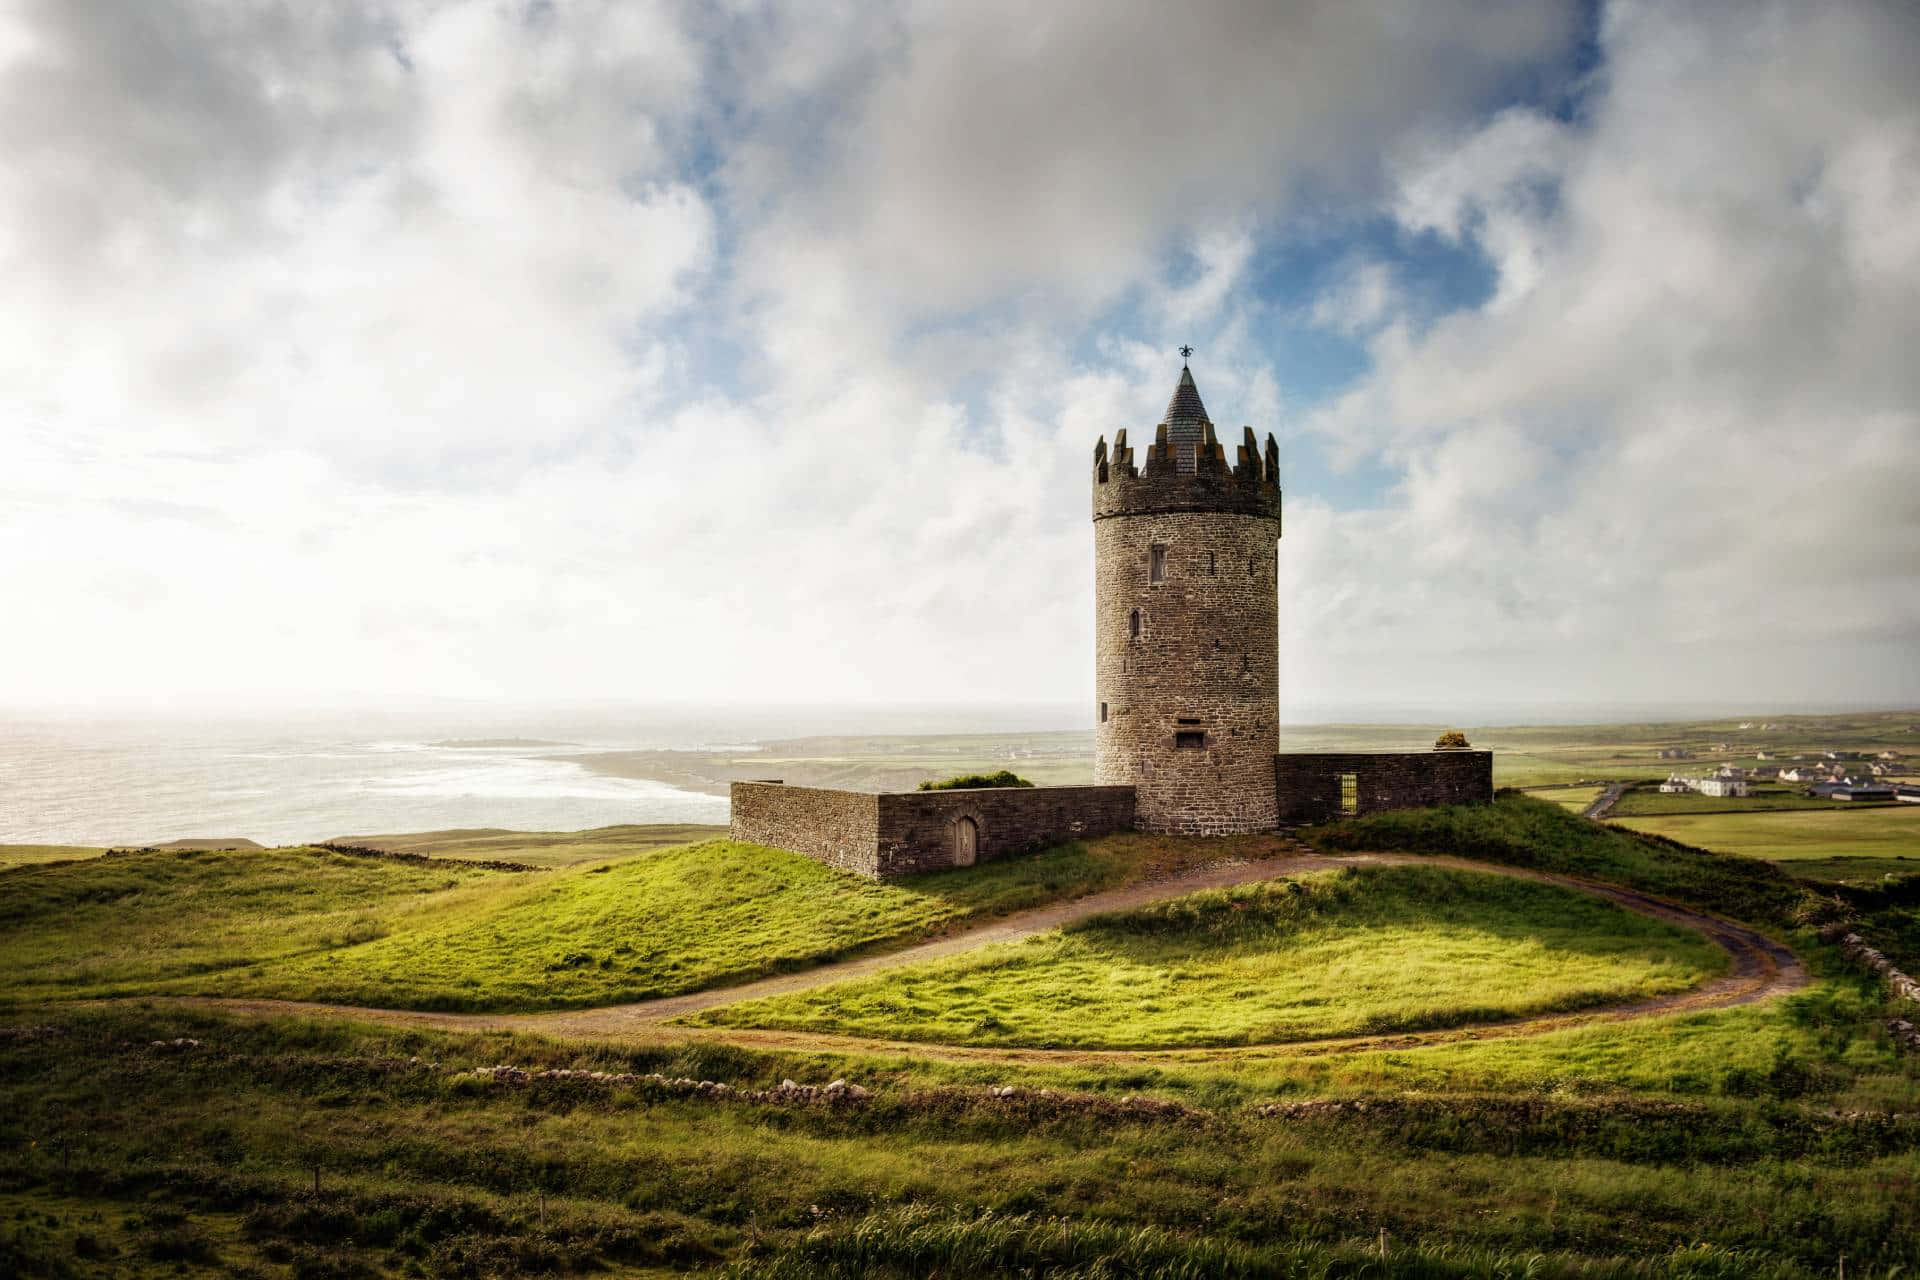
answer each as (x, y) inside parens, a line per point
(287, 778)
(282, 778)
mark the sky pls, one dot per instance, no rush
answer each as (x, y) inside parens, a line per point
(358, 353)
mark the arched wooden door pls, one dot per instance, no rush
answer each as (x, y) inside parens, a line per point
(966, 842)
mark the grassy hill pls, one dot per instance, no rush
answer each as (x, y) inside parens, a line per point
(139, 1138)
(392, 932)
(1362, 950)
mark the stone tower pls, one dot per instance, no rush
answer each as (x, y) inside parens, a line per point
(1187, 624)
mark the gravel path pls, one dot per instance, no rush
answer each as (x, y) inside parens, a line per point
(1761, 968)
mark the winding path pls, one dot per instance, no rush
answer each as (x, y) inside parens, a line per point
(1760, 968)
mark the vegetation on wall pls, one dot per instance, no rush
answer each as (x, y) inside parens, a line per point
(974, 781)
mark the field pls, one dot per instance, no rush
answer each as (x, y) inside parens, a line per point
(538, 848)
(1836, 830)
(142, 1136)
(26, 854)
(312, 924)
(1638, 802)
(1362, 950)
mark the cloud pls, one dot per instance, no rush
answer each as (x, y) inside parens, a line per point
(1680, 434)
(756, 352)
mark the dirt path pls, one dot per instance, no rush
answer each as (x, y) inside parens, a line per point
(1761, 968)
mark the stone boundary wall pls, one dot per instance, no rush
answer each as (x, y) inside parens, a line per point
(1308, 783)
(839, 828)
(916, 827)
(902, 833)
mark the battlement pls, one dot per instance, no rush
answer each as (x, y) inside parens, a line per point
(1186, 467)
(1186, 476)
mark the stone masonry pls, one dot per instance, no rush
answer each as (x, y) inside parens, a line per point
(1310, 787)
(901, 833)
(1187, 624)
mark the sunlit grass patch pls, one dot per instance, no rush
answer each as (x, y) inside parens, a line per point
(1356, 951)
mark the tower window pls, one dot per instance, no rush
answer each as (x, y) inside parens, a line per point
(1157, 563)
(1253, 566)
(1209, 564)
(1349, 793)
(1103, 713)
(1190, 739)
(1133, 624)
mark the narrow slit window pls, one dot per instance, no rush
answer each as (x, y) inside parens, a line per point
(1133, 624)
(1350, 793)
(1253, 566)
(1190, 739)
(1103, 713)
(1157, 564)
(1209, 564)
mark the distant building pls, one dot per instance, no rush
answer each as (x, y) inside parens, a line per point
(1907, 794)
(1718, 786)
(1862, 793)
(1675, 785)
(1675, 753)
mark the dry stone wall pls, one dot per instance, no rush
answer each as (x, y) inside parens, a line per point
(899, 834)
(839, 828)
(1309, 786)
(917, 828)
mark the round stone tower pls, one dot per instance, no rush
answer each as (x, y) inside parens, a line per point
(1187, 624)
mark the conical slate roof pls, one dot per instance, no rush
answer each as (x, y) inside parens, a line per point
(1185, 405)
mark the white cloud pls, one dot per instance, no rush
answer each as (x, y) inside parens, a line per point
(757, 352)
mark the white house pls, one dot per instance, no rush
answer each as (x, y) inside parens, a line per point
(1722, 786)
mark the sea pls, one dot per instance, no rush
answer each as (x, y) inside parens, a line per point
(288, 777)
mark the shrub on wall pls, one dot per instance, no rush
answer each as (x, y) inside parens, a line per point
(1451, 740)
(969, 781)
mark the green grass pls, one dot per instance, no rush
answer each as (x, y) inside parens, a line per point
(1522, 831)
(675, 920)
(1855, 870)
(30, 854)
(425, 1170)
(135, 922)
(1648, 802)
(540, 848)
(1355, 951)
(1574, 797)
(308, 924)
(1836, 831)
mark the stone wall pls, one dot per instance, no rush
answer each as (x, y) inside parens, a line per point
(898, 834)
(839, 828)
(917, 827)
(1308, 785)
(1191, 657)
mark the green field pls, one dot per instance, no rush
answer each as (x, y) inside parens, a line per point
(147, 1137)
(1572, 797)
(1362, 950)
(538, 848)
(27, 854)
(1834, 831)
(1647, 801)
(309, 924)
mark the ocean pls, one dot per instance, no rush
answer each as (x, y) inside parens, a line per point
(288, 778)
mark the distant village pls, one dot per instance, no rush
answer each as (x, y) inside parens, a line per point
(1849, 776)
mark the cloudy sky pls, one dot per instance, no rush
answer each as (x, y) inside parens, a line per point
(740, 352)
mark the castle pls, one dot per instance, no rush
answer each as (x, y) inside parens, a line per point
(1187, 686)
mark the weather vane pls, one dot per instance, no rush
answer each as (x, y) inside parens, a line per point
(1185, 352)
